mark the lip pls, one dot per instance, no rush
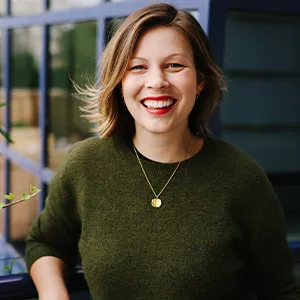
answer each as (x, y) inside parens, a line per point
(159, 111)
(162, 110)
(157, 98)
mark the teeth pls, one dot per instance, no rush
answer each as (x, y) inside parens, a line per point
(158, 104)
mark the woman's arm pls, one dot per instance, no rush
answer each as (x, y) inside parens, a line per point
(270, 258)
(49, 274)
(52, 243)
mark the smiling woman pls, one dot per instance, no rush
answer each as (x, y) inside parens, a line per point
(155, 205)
(188, 41)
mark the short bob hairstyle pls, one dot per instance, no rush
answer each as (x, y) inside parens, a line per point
(103, 103)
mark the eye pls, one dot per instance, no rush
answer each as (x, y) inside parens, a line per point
(174, 65)
(137, 67)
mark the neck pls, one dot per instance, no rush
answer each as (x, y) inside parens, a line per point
(168, 147)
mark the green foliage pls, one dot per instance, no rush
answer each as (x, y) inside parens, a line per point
(25, 73)
(5, 134)
(25, 196)
(10, 267)
(24, 70)
(77, 56)
(2, 132)
(33, 189)
(9, 197)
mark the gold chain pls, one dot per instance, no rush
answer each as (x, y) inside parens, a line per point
(155, 202)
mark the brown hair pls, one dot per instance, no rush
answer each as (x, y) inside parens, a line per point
(103, 103)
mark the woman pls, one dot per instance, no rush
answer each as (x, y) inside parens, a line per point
(158, 208)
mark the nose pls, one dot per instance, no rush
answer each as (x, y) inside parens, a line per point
(156, 79)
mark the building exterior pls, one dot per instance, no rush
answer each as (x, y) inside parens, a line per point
(43, 43)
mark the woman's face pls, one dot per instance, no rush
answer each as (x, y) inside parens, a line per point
(160, 84)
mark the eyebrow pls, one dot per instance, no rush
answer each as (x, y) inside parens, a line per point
(167, 57)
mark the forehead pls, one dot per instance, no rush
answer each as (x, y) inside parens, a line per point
(162, 41)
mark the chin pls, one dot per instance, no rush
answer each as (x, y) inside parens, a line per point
(158, 129)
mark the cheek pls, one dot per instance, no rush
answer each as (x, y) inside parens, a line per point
(130, 86)
(186, 82)
(188, 90)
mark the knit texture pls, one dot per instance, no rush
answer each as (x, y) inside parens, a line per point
(219, 234)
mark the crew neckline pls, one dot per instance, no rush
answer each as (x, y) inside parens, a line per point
(125, 154)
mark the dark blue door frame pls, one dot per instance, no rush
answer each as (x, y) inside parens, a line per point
(217, 27)
(45, 19)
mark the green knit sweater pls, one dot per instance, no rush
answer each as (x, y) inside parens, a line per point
(219, 234)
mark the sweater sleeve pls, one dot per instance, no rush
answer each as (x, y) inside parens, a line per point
(269, 255)
(56, 231)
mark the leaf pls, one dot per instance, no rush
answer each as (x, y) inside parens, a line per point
(9, 197)
(6, 268)
(3, 104)
(33, 189)
(1, 205)
(25, 196)
(5, 134)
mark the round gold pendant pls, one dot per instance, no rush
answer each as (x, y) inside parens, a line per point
(156, 203)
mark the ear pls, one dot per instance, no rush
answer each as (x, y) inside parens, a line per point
(201, 83)
(200, 87)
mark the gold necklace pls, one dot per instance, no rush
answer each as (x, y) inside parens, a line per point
(156, 202)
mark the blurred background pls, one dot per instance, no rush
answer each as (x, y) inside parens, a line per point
(257, 43)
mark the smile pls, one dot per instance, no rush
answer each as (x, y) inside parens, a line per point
(158, 103)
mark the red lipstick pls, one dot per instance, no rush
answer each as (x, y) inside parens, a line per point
(158, 110)
(157, 98)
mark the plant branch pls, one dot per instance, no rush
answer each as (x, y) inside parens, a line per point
(20, 200)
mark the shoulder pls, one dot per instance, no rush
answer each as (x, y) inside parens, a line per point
(221, 148)
(83, 155)
(251, 195)
(89, 149)
(237, 167)
(233, 158)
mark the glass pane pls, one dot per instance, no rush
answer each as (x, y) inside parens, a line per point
(65, 4)
(73, 55)
(261, 99)
(258, 47)
(26, 50)
(25, 7)
(1, 7)
(10, 263)
(267, 147)
(111, 26)
(194, 12)
(22, 214)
